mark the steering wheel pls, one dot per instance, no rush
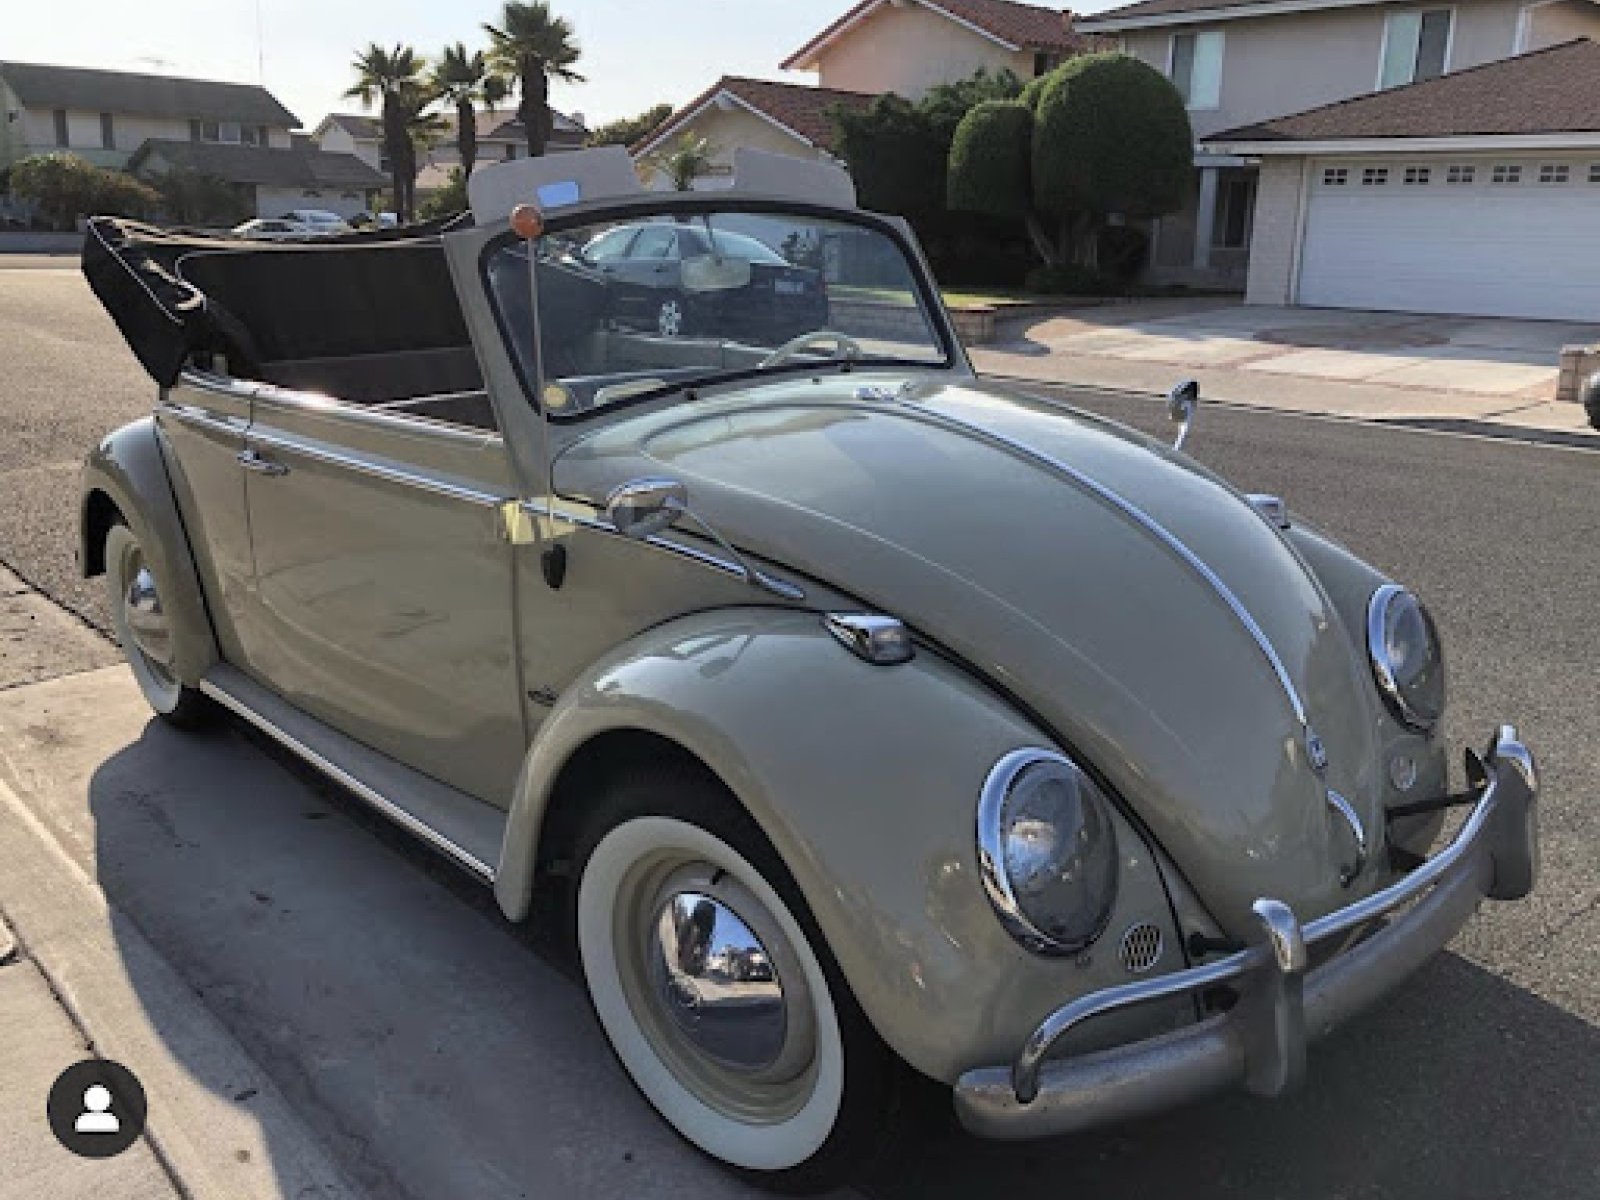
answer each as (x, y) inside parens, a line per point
(844, 346)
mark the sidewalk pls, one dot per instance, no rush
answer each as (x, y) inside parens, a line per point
(37, 1042)
(1450, 372)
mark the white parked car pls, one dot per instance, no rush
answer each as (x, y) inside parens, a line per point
(318, 220)
(273, 229)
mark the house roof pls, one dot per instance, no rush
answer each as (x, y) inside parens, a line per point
(1150, 13)
(39, 85)
(800, 109)
(303, 165)
(501, 126)
(1017, 26)
(1548, 91)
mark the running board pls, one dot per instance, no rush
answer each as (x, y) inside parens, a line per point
(463, 828)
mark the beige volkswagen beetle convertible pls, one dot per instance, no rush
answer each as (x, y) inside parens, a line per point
(864, 720)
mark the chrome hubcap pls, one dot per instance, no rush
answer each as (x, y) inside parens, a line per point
(716, 983)
(147, 623)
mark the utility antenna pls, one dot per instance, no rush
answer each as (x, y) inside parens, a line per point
(261, 50)
(527, 222)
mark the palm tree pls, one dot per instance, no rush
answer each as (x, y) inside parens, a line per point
(423, 131)
(689, 158)
(531, 47)
(393, 80)
(465, 80)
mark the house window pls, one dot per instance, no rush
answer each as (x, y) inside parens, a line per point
(108, 132)
(250, 135)
(1594, 172)
(61, 128)
(208, 132)
(1235, 199)
(1335, 176)
(194, 131)
(1554, 173)
(1461, 174)
(1374, 176)
(231, 132)
(510, 151)
(1418, 175)
(1197, 68)
(1504, 173)
(1415, 47)
(1045, 62)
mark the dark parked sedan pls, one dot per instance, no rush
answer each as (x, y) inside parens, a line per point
(644, 262)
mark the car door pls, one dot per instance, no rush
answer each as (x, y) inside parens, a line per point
(382, 598)
(648, 274)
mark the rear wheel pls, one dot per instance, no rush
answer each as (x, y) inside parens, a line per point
(143, 628)
(718, 994)
(671, 319)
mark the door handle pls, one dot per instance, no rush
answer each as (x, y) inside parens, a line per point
(252, 461)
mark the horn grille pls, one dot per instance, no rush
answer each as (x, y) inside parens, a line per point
(1141, 947)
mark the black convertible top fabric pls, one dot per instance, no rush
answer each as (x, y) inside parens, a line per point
(174, 294)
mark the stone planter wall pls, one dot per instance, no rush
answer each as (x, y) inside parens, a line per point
(881, 319)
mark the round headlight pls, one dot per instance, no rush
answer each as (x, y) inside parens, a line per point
(1048, 851)
(1406, 659)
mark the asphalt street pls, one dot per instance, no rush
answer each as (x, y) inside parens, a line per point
(1480, 1079)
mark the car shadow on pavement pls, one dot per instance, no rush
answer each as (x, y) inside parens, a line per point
(437, 1055)
(412, 1029)
(1459, 1086)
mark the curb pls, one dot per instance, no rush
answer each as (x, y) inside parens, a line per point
(218, 1123)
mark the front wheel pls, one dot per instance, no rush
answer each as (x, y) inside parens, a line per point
(718, 995)
(143, 628)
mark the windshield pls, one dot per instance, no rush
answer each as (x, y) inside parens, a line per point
(630, 309)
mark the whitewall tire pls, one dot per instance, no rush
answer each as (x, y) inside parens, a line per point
(133, 593)
(757, 1124)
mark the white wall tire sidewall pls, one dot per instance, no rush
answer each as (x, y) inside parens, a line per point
(161, 695)
(757, 1147)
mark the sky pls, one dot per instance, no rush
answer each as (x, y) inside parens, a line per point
(636, 53)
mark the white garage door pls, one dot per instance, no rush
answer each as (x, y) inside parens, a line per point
(1475, 237)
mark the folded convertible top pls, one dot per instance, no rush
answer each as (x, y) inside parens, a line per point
(174, 294)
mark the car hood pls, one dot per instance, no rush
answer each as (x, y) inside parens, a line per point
(1114, 588)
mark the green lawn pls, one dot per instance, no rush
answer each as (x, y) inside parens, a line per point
(954, 297)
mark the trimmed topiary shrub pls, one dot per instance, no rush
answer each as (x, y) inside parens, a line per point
(991, 166)
(1111, 135)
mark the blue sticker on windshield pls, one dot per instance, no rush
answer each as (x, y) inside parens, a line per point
(554, 195)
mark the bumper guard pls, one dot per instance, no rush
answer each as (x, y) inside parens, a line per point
(1261, 1041)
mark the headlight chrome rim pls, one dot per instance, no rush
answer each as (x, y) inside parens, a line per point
(1394, 695)
(997, 787)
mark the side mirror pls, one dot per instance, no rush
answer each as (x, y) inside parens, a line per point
(1183, 402)
(646, 506)
(1591, 399)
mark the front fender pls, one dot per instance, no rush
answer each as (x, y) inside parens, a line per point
(128, 470)
(866, 780)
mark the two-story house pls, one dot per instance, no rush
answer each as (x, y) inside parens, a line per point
(149, 124)
(501, 137)
(902, 46)
(1366, 154)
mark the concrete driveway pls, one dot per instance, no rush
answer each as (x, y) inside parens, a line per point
(1447, 354)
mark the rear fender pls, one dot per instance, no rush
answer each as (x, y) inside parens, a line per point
(126, 476)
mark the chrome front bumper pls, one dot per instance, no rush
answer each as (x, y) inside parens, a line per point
(1260, 1042)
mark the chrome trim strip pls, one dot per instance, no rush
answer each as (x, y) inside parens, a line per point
(226, 385)
(780, 587)
(376, 470)
(337, 773)
(1151, 526)
(1337, 924)
(191, 415)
